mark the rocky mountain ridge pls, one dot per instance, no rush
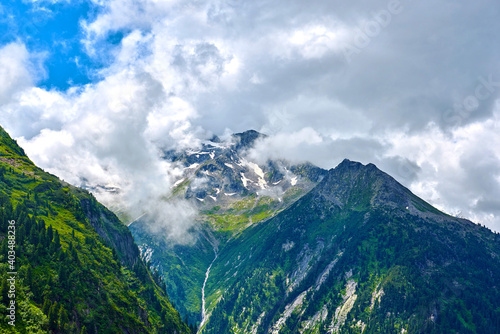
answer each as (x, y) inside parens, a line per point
(220, 170)
(358, 253)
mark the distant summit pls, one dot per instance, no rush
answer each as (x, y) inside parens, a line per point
(245, 140)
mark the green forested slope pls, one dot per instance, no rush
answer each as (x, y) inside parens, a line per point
(78, 270)
(358, 254)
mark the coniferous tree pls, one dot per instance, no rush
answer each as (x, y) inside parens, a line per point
(29, 276)
(50, 234)
(62, 318)
(53, 315)
(46, 306)
(4, 291)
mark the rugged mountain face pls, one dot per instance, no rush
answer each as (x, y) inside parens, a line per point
(358, 253)
(113, 232)
(78, 268)
(297, 249)
(219, 172)
(231, 193)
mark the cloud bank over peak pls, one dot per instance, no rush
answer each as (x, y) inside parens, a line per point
(409, 86)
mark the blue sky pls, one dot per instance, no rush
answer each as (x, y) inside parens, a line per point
(53, 30)
(93, 90)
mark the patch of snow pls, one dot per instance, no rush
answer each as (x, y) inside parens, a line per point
(244, 180)
(230, 194)
(177, 183)
(216, 145)
(262, 183)
(195, 165)
(229, 165)
(200, 199)
(213, 197)
(275, 183)
(256, 169)
(293, 181)
(212, 155)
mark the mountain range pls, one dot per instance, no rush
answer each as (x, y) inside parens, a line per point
(293, 248)
(277, 247)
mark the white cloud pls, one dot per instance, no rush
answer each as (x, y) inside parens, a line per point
(287, 146)
(458, 171)
(15, 74)
(110, 134)
(185, 70)
(314, 41)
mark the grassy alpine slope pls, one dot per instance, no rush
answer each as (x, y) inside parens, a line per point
(78, 269)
